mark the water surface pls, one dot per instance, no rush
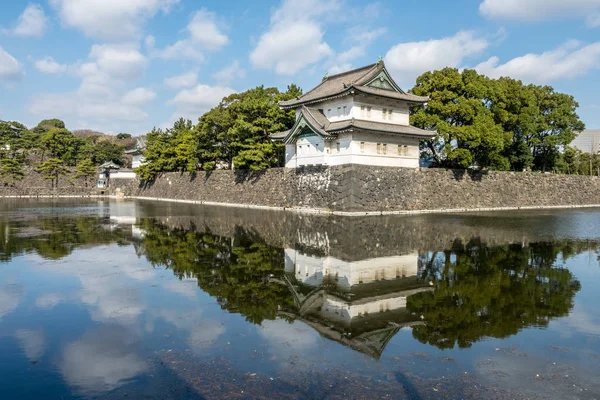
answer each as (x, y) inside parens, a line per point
(102, 299)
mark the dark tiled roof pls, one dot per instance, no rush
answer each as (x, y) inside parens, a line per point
(344, 83)
(380, 127)
(323, 127)
(392, 95)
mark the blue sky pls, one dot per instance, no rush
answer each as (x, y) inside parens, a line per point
(126, 66)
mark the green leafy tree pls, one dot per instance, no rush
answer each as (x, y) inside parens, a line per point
(52, 169)
(60, 143)
(236, 132)
(11, 170)
(459, 111)
(501, 123)
(47, 124)
(86, 169)
(122, 136)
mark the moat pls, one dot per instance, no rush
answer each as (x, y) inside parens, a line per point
(136, 299)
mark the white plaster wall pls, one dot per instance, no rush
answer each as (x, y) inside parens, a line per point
(400, 112)
(334, 109)
(290, 155)
(310, 151)
(137, 161)
(123, 175)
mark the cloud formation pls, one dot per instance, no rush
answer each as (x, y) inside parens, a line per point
(191, 103)
(536, 10)
(203, 34)
(182, 81)
(111, 20)
(47, 65)
(10, 68)
(570, 60)
(229, 73)
(32, 23)
(295, 37)
(408, 60)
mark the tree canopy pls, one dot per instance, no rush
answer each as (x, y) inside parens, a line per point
(496, 123)
(234, 134)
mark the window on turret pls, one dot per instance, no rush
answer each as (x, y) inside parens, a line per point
(378, 148)
(384, 148)
(368, 112)
(362, 147)
(362, 111)
(345, 111)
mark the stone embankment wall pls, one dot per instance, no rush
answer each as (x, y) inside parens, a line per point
(355, 188)
(33, 184)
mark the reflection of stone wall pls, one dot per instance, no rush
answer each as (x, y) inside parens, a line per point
(365, 188)
(359, 238)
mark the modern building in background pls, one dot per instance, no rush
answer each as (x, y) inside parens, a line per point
(588, 141)
(356, 117)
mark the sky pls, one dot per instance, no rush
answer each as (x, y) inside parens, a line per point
(128, 66)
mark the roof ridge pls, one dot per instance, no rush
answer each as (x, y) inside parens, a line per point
(336, 76)
(370, 66)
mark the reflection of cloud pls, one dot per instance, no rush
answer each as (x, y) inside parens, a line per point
(202, 332)
(204, 335)
(102, 360)
(10, 297)
(187, 288)
(281, 333)
(32, 343)
(105, 287)
(580, 321)
(48, 301)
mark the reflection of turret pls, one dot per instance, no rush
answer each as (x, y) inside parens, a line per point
(361, 304)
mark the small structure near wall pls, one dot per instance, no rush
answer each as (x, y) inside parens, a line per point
(356, 117)
(110, 170)
(137, 153)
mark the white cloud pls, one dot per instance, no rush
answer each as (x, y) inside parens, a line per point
(33, 343)
(343, 61)
(534, 10)
(102, 360)
(49, 66)
(119, 61)
(295, 37)
(10, 68)
(192, 103)
(204, 31)
(593, 20)
(203, 34)
(110, 19)
(180, 50)
(229, 73)
(409, 60)
(102, 97)
(567, 61)
(139, 96)
(182, 81)
(32, 22)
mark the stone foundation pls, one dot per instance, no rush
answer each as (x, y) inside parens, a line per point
(355, 188)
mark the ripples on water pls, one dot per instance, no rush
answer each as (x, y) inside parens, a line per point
(157, 300)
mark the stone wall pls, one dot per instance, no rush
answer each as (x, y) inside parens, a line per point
(33, 185)
(355, 188)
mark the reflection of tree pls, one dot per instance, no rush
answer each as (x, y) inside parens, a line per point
(493, 291)
(55, 237)
(234, 270)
